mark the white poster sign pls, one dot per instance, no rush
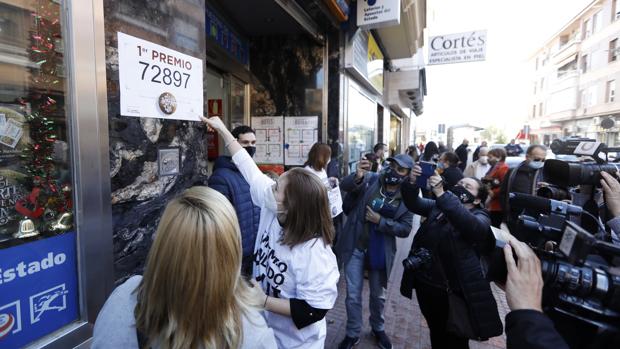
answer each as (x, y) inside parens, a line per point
(269, 139)
(158, 82)
(458, 48)
(378, 13)
(301, 134)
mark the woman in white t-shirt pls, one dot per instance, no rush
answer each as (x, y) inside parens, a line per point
(318, 158)
(293, 261)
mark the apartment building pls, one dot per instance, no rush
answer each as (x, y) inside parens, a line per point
(575, 77)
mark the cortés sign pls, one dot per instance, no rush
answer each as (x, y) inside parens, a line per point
(458, 48)
(158, 82)
(378, 13)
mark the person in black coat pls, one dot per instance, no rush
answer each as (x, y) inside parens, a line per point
(451, 173)
(462, 152)
(526, 325)
(456, 231)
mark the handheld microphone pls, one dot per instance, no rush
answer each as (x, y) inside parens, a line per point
(543, 205)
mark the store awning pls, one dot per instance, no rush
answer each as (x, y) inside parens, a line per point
(403, 40)
(406, 90)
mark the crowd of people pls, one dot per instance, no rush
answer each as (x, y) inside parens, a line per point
(254, 259)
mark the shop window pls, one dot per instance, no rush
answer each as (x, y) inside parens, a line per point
(237, 103)
(38, 283)
(362, 116)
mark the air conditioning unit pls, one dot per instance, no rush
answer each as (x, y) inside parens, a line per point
(596, 121)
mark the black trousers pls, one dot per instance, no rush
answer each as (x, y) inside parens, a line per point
(434, 306)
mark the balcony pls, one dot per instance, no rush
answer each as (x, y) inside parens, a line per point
(566, 52)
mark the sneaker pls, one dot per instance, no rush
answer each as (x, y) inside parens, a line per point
(348, 342)
(382, 340)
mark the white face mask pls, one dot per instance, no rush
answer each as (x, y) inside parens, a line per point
(484, 160)
(272, 205)
(270, 200)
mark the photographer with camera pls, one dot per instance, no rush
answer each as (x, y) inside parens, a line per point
(368, 242)
(526, 325)
(444, 265)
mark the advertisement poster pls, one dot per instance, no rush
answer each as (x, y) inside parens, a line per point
(301, 134)
(364, 59)
(269, 139)
(38, 289)
(158, 82)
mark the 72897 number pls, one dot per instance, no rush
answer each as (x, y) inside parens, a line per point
(168, 76)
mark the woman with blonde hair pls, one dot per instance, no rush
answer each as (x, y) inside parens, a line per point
(192, 294)
(293, 261)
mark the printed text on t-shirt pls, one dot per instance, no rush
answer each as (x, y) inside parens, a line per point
(271, 268)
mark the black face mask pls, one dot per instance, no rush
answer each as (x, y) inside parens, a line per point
(251, 150)
(390, 177)
(463, 194)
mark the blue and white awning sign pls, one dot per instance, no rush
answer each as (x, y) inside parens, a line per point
(38, 289)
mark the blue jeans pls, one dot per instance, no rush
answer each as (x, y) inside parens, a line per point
(354, 274)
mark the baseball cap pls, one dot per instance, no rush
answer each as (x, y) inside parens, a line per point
(403, 160)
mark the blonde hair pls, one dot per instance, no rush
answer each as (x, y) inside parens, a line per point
(192, 294)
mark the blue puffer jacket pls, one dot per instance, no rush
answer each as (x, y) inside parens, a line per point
(227, 179)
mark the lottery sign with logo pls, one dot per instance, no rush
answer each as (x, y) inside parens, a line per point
(158, 82)
(38, 289)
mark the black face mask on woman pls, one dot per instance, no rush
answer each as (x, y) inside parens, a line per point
(463, 194)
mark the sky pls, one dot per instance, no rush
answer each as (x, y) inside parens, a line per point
(496, 91)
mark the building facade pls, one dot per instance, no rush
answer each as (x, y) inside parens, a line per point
(85, 172)
(574, 78)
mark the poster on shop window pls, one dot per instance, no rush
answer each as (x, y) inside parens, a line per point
(269, 139)
(301, 133)
(158, 82)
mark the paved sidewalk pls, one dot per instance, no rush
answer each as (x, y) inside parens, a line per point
(404, 322)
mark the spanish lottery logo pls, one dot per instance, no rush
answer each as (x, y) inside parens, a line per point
(7, 321)
(371, 2)
(167, 103)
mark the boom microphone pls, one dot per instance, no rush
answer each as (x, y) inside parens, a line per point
(542, 205)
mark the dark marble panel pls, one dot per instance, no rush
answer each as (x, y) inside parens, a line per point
(286, 69)
(139, 194)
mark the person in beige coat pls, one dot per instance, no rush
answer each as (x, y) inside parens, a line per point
(480, 167)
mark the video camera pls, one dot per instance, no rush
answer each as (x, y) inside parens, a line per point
(580, 264)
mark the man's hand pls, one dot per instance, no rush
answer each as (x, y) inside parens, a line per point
(362, 167)
(372, 216)
(416, 172)
(524, 283)
(436, 183)
(611, 188)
